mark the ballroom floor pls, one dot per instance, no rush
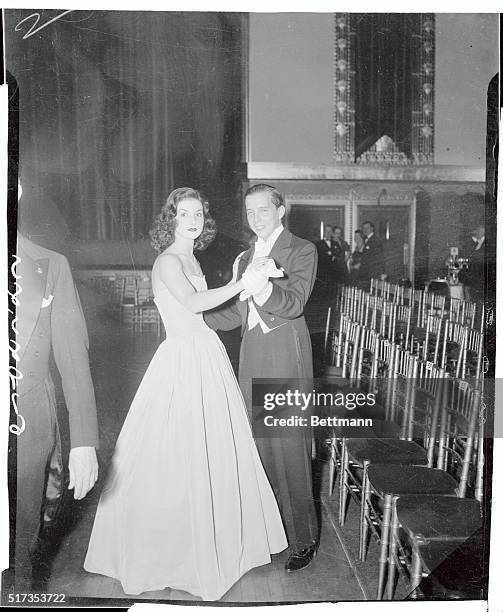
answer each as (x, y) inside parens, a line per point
(119, 360)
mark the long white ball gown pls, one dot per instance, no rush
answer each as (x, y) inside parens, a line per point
(187, 504)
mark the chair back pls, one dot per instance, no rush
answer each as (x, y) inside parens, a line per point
(458, 422)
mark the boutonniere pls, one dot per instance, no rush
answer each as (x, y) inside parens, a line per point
(367, 248)
(329, 252)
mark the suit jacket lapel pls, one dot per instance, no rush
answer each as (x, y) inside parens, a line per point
(245, 260)
(282, 248)
(33, 282)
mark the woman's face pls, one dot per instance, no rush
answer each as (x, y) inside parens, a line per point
(189, 219)
(358, 241)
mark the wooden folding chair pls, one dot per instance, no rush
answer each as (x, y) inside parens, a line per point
(448, 517)
(390, 482)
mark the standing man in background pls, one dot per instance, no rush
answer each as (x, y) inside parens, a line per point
(372, 261)
(325, 277)
(341, 252)
(475, 277)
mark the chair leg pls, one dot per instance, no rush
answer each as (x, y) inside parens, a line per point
(415, 572)
(383, 553)
(343, 484)
(364, 513)
(392, 551)
(332, 466)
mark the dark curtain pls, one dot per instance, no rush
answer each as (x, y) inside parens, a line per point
(384, 66)
(117, 108)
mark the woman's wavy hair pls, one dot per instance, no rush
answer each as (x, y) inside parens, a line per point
(162, 233)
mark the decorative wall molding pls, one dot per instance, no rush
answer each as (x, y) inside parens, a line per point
(384, 151)
(424, 91)
(320, 198)
(360, 172)
(368, 196)
(388, 198)
(422, 47)
(344, 73)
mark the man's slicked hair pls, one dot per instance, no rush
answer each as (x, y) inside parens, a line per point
(276, 196)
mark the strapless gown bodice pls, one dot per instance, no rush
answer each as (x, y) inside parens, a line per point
(177, 319)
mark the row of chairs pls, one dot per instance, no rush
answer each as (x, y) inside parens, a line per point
(418, 473)
(424, 327)
(130, 299)
(458, 310)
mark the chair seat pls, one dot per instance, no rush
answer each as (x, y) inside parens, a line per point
(379, 450)
(379, 429)
(435, 516)
(390, 479)
(460, 568)
(365, 433)
(386, 429)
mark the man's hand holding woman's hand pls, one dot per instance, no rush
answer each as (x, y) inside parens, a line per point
(256, 276)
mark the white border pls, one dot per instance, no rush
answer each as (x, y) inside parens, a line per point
(272, 6)
(4, 334)
(489, 6)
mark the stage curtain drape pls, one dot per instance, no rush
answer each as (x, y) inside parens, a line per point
(117, 108)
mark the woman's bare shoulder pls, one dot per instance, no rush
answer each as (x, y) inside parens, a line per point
(169, 259)
(169, 264)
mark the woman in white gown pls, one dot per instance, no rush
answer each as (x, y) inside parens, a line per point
(187, 504)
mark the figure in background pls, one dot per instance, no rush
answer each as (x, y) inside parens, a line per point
(340, 255)
(373, 255)
(325, 277)
(355, 262)
(474, 278)
(49, 320)
(276, 344)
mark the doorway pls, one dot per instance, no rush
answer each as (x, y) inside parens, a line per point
(393, 227)
(308, 220)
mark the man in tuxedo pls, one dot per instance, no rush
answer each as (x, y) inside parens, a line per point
(372, 261)
(325, 277)
(340, 254)
(475, 277)
(49, 320)
(276, 344)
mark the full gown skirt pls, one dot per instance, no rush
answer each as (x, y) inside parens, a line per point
(187, 504)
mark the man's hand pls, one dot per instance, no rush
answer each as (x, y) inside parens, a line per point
(254, 282)
(258, 264)
(83, 467)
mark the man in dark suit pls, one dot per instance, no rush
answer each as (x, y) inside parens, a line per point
(340, 254)
(49, 319)
(372, 261)
(475, 277)
(276, 344)
(325, 277)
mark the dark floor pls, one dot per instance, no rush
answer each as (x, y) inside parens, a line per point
(119, 360)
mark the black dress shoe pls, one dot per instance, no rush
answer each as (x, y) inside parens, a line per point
(301, 558)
